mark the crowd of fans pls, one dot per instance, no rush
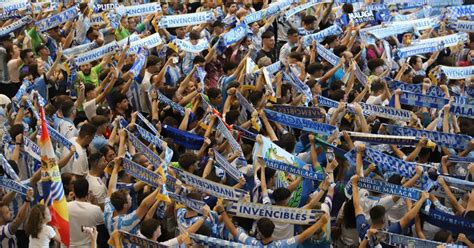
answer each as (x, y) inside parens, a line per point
(185, 96)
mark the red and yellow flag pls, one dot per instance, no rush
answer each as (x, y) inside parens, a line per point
(53, 192)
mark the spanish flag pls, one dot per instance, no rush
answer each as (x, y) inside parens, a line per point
(53, 192)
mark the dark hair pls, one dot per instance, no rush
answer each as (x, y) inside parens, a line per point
(337, 95)
(87, 130)
(199, 59)
(376, 86)
(81, 188)
(41, 46)
(336, 85)
(309, 19)
(377, 214)
(99, 120)
(329, 39)
(24, 53)
(374, 63)
(67, 107)
(349, 214)
(228, 4)
(418, 79)
(338, 50)
(187, 160)
(269, 174)
(232, 116)
(119, 199)
(213, 93)
(149, 226)
(267, 35)
(281, 194)
(15, 130)
(117, 97)
(88, 87)
(292, 31)
(266, 227)
(441, 236)
(194, 35)
(287, 142)
(227, 66)
(347, 8)
(94, 159)
(296, 55)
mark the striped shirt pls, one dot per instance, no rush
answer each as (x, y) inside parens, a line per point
(7, 237)
(127, 222)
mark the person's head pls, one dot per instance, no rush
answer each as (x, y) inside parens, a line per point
(376, 66)
(180, 32)
(13, 51)
(81, 188)
(315, 70)
(132, 23)
(268, 40)
(377, 215)
(231, 7)
(27, 56)
(140, 159)
(87, 133)
(416, 62)
(348, 56)
(407, 37)
(100, 122)
(443, 236)
(188, 161)
(332, 41)
(119, 102)
(108, 152)
(68, 109)
(86, 68)
(247, 4)
(229, 67)
(151, 229)
(265, 228)
(292, 35)
(89, 91)
(408, 75)
(347, 8)
(215, 96)
(269, 176)
(194, 37)
(6, 214)
(97, 162)
(124, 22)
(295, 57)
(218, 27)
(39, 215)
(376, 86)
(281, 196)
(338, 50)
(42, 51)
(308, 22)
(92, 34)
(121, 201)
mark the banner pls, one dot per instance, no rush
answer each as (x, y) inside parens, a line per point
(154, 159)
(459, 183)
(458, 159)
(272, 9)
(97, 53)
(390, 30)
(245, 133)
(300, 8)
(300, 86)
(321, 35)
(384, 139)
(455, 224)
(229, 169)
(420, 100)
(4, 31)
(13, 186)
(141, 9)
(234, 35)
(303, 112)
(80, 49)
(414, 88)
(383, 187)
(255, 211)
(104, 7)
(31, 148)
(140, 60)
(463, 26)
(222, 129)
(165, 100)
(358, 17)
(58, 19)
(183, 138)
(216, 189)
(5, 15)
(7, 169)
(157, 142)
(455, 141)
(148, 42)
(300, 123)
(458, 11)
(213, 242)
(458, 72)
(186, 46)
(188, 202)
(141, 173)
(133, 239)
(174, 21)
(148, 124)
(398, 240)
(281, 166)
(273, 68)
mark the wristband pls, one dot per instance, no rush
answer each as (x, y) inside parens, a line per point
(18, 143)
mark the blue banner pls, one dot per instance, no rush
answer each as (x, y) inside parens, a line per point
(13, 186)
(142, 9)
(385, 188)
(141, 173)
(234, 35)
(458, 159)
(458, 72)
(459, 11)
(133, 239)
(321, 35)
(186, 46)
(224, 164)
(8, 170)
(455, 224)
(176, 107)
(245, 133)
(4, 31)
(183, 138)
(148, 42)
(140, 60)
(398, 240)
(281, 166)
(31, 148)
(216, 189)
(455, 141)
(384, 139)
(154, 159)
(415, 88)
(188, 202)
(212, 242)
(80, 49)
(300, 123)
(58, 19)
(97, 53)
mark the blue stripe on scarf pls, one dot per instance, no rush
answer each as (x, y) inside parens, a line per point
(300, 123)
(183, 138)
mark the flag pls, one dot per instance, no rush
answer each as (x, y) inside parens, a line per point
(53, 192)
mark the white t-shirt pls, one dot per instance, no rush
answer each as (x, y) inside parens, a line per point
(44, 237)
(90, 108)
(97, 187)
(67, 128)
(82, 214)
(78, 166)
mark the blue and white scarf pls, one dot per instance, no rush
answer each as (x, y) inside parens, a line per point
(174, 21)
(281, 166)
(186, 46)
(462, 26)
(154, 159)
(80, 49)
(459, 11)
(213, 242)
(141, 173)
(321, 35)
(458, 72)
(224, 164)
(5, 15)
(4, 31)
(141, 9)
(303, 112)
(327, 55)
(8, 169)
(97, 53)
(384, 139)
(139, 63)
(148, 42)
(415, 88)
(458, 159)
(385, 188)
(58, 19)
(13, 185)
(300, 8)
(300, 123)
(455, 141)
(216, 189)
(138, 241)
(188, 202)
(183, 138)
(176, 107)
(234, 35)
(298, 216)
